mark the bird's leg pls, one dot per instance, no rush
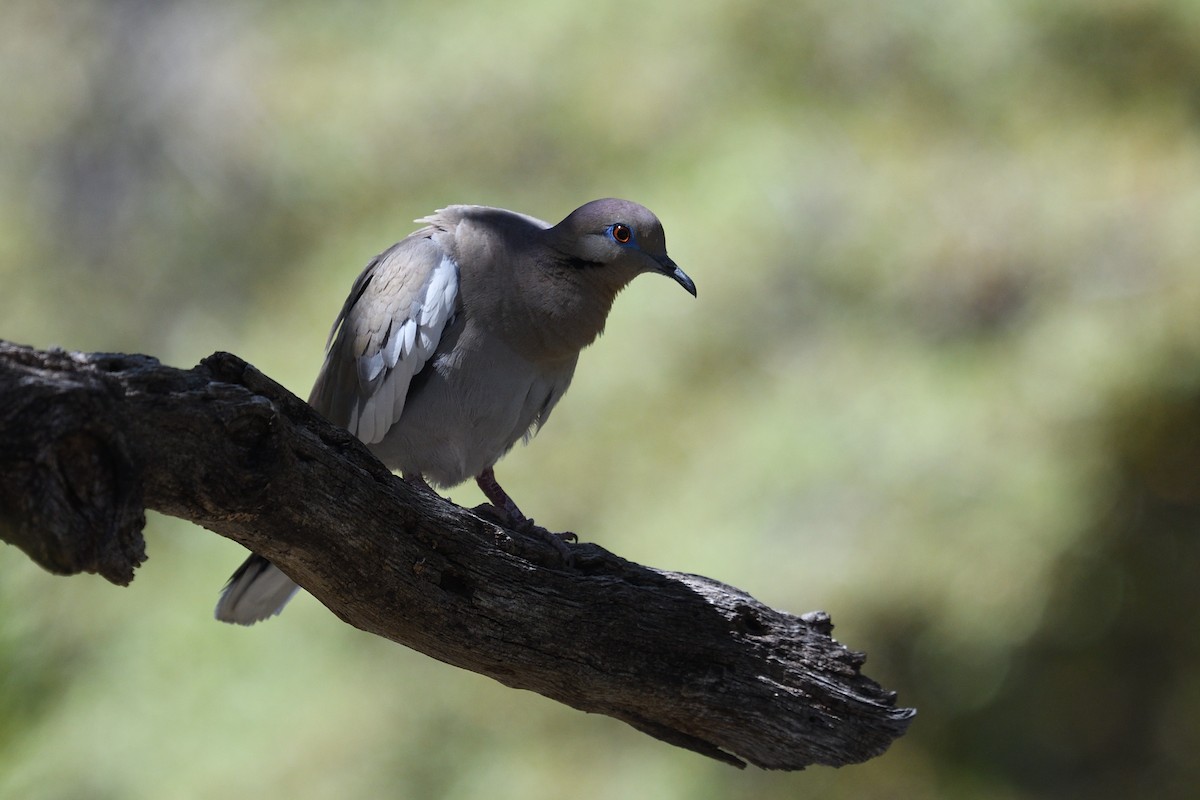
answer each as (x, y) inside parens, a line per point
(499, 498)
(496, 495)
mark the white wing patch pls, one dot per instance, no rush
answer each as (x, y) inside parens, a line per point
(413, 336)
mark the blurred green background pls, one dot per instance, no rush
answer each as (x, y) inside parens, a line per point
(942, 379)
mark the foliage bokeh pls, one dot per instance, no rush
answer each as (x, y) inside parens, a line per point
(942, 378)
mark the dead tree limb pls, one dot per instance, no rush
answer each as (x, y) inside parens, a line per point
(88, 441)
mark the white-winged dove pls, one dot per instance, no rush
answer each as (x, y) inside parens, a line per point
(459, 340)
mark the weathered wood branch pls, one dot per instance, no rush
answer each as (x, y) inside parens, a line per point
(88, 441)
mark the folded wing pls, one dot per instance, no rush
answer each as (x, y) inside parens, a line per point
(386, 332)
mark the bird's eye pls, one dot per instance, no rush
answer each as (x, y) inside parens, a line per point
(622, 233)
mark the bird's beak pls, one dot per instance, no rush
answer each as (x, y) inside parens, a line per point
(669, 268)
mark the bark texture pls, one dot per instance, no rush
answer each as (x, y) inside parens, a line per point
(88, 441)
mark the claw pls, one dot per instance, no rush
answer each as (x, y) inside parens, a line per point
(557, 540)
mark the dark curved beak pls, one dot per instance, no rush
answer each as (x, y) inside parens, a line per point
(671, 270)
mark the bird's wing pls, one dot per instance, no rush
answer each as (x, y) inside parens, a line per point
(387, 330)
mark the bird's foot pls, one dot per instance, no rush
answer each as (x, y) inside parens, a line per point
(526, 524)
(514, 519)
(558, 540)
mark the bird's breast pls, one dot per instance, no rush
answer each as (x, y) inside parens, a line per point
(479, 399)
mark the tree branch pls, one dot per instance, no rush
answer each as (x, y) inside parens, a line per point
(87, 441)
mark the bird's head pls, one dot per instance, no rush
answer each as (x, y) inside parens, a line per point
(620, 240)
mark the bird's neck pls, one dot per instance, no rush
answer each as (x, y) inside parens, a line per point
(573, 301)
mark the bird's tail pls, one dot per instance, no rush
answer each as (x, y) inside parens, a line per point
(256, 591)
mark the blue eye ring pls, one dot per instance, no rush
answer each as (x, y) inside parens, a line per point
(621, 233)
